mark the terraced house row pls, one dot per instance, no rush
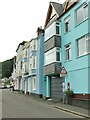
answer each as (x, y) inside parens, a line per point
(62, 46)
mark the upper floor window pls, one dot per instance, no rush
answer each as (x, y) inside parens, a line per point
(68, 51)
(26, 53)
(34, 62)
(67, 24)
(34, 44)
(52, 56)
(34, 47)
(21, 64)
(81, 13)
(57, 56)
(83, 45)
(57, 29)
(25, 68)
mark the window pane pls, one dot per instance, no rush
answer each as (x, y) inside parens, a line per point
(57, 56)
(50, 56)
(66, 27)
(80, 16)
(33, 61)
(34, 83)
(57, 29)
(88, 45)
(68, 52)
(67, 55)
(81, 47)
(86, 11)
(67, 24)
(21, 64)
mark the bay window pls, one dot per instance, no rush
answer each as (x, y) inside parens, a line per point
(52, 56)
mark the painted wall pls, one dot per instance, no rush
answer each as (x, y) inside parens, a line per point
(40, 64)
(89, 54)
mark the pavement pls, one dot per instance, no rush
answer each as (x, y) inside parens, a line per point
(58, 105)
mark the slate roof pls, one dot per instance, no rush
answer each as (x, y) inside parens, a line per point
(58, 7)
(22, 43)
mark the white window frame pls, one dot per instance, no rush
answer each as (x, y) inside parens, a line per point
(34, 61)
(50, 56)
(58, 51)
(67, 20)
(83, 12)
(85, 47)
(34, 83)
(69, 51)
(26, 53)
(57, 25)
(34, 44)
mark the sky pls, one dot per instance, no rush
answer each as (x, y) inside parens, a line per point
(19, 20)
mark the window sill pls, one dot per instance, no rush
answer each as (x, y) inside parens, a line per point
(68, 60)
(34, 89)
(81, 22)
(67, 32)
(33, 68)
(82, 55)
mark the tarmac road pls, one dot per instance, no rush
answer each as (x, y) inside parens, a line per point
(15, 106)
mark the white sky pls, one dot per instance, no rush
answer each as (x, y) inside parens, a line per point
(19, 20)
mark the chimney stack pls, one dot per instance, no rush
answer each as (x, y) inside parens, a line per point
(40, 30)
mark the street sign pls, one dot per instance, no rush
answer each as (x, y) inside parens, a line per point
(63, 72)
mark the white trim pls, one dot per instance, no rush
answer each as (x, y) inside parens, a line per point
(86, 38)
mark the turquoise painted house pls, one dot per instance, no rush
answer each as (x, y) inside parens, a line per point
(75, 46)
(36, 62)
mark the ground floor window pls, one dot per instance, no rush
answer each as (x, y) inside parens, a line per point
(34, 83)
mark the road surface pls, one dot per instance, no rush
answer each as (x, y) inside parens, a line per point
(15, 106)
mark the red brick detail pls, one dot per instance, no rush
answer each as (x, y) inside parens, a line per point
(83, 96)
